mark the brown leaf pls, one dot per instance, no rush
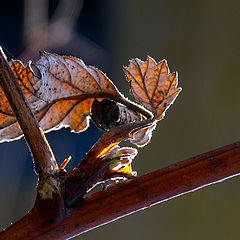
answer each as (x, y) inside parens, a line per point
(60, 91)
(107, 114)
(143, 136)
(152, 84)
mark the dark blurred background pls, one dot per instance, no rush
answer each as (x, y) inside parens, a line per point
(200, 40)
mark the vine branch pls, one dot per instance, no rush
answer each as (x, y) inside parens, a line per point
(105, 206)
(51, 218)
(44, 160)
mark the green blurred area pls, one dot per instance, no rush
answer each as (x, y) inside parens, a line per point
(200, 40)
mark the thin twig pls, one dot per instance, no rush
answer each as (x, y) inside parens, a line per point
(44, 160)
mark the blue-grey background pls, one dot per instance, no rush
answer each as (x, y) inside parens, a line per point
(200, 40)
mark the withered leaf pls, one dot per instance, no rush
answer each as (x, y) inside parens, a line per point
(152, 85)
(107, 114)
(60, 91)
(143, 136)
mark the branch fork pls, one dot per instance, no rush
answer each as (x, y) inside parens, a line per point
(63, 210)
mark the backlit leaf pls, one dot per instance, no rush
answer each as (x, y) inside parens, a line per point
(108, 114)
(143, 136)
(60, 91)
(152, 85)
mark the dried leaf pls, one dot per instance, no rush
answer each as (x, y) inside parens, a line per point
(60, 91)
(143, 136)
(152, 84)
(105, 114)
(108, 114)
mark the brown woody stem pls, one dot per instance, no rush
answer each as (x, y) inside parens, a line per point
(91, 164)
(44, 160)
(153, 188)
